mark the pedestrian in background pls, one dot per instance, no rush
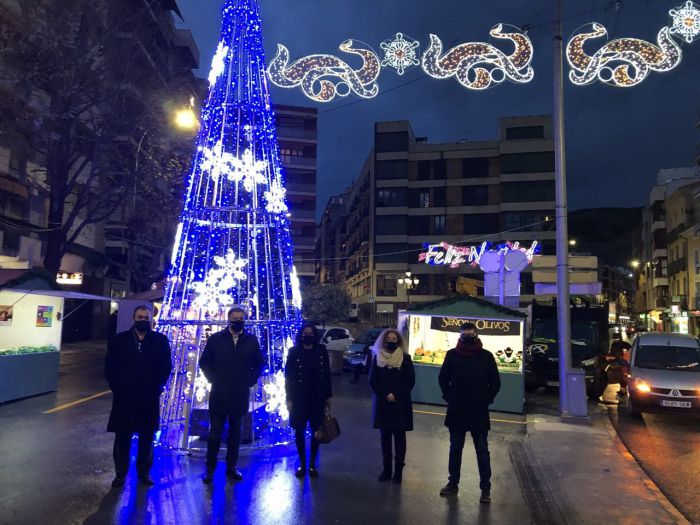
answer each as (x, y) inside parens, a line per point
(469, 382)
(309, 392)
(232, 362)
(391, 378)
(137, 367)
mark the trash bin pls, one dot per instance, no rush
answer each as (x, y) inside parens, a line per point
(576, 391)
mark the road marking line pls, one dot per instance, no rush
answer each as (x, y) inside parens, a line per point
(78, 402)
(494, 420)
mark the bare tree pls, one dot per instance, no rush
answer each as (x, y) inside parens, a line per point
(64, 61)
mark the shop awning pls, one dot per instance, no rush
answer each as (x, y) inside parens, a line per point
(466, 306)
(66, 294)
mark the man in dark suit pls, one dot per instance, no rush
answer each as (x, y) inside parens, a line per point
(137, 367)
(232, 363)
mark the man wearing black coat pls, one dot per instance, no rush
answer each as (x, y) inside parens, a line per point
(137, 367)
(232, 362)
(469, 382)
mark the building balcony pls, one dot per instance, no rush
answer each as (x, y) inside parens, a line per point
(660, 253)
(658, 225)
(284, 133)
(660, 281)
(677, 266)
(291, 161)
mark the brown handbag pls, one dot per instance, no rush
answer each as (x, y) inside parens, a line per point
(328, 431)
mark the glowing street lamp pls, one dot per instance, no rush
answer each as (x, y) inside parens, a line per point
(185, 118)
(634, 264)
(410, 283)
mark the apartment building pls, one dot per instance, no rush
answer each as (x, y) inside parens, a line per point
(298, 139)
(332, 232)
(411, 193)
(665, 273)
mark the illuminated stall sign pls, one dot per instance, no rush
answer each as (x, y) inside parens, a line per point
(483, 326)
(454, 256)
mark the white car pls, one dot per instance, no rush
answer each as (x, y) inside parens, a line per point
(664, 374)
(335, 338)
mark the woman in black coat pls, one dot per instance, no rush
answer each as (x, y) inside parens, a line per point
(391, 378)
(309, 391)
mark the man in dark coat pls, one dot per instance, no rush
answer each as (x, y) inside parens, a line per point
(232, 363)
(469, 382)
(137, 367)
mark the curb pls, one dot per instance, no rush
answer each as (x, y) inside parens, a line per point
(649, 483)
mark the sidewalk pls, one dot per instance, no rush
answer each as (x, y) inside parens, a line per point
(589, 475)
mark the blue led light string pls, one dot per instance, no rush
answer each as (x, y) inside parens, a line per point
(225, 220)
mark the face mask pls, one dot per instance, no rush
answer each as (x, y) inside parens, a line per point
(469, 339)
(237, 326)
(308, 339)
(142, 326)
(391, 346)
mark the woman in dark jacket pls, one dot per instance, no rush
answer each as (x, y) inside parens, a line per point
(391, 378)
(309, 391)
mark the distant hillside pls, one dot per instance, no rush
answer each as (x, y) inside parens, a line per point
(605, 232)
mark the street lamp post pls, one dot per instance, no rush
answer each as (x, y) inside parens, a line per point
(409, 283)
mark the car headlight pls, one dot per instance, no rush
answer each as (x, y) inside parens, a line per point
(641, 385)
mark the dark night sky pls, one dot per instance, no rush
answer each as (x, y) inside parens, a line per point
(617, 139)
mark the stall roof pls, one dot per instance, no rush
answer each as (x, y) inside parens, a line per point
(465, 306)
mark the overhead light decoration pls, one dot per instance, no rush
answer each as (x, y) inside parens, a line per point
(323, 77)
(686, 21)
(478, 65)
(623, 62)
(400, 53)
(215, 291)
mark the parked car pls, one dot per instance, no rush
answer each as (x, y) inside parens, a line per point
(664, 374)
(335, 338)
(357, 352)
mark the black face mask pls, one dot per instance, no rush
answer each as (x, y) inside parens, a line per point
(468, 339)
(308, 340)
(391, 346)
(142, 326)
(237, 326)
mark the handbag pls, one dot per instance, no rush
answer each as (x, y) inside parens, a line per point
(328, 431)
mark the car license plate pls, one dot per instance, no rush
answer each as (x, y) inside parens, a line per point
(552, 383)
(675, 404)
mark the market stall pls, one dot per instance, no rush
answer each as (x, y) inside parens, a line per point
(433, 328)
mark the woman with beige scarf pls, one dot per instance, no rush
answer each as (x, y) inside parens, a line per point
(391, 378)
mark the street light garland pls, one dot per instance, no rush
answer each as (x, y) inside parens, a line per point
(622, 62)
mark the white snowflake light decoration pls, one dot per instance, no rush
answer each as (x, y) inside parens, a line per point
(202, 387)
(217, 162)
(218, 64)
(275, 198)
(296, 288)
(249, 170)
(400, 53)
(686, 21)
(276, 396)
(214, 293)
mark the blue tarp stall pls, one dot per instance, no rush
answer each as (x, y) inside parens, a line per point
(433, 328)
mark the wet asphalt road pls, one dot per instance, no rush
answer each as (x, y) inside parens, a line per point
(56, 468)
(667, 447)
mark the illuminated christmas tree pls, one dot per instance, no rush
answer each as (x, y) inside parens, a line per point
(233, 245)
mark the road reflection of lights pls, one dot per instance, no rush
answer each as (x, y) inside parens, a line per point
(276, 495)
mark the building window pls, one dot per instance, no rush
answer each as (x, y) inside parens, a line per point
(424, 169)
(385, 142)
(390, 252)
(389, 197)
(524, 220)
(438, 225)
(424, 199)
(528, 191)
(439, 196)
(391, 225)
(528, 162)
(390, 169)
(481, 223)
(475, 195)
(386, 286)
(525, 132)
(477, 167)
(419, 225)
